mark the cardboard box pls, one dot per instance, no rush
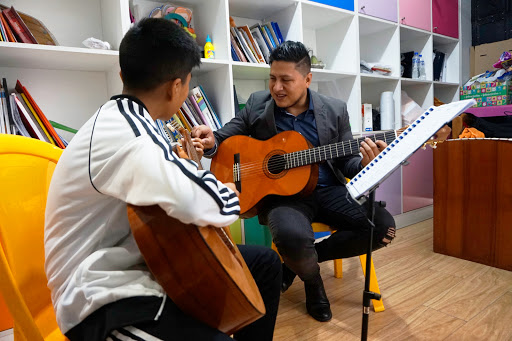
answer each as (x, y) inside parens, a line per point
(488, 94)
(482, 57)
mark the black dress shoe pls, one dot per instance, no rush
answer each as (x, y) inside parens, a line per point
(288, 277)
(317, 303)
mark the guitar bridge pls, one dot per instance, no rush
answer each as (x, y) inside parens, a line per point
(237, 176)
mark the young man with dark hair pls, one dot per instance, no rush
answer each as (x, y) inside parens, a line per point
(101, 287)
(291, 105)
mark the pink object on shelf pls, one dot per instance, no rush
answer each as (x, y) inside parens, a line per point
(500, 110)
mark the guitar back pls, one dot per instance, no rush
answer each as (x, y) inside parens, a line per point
(201, 271)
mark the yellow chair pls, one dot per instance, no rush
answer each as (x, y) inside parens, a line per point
(378, 305)
(26, 167)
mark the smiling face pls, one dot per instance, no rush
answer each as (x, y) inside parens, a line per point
(288, 86)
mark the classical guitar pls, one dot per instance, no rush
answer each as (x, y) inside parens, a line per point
(200, 268)
(285, 164)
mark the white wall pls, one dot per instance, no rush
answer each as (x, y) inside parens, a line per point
(465, 39)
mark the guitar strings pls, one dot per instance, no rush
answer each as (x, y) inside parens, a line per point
(250, 168)
(303, 155)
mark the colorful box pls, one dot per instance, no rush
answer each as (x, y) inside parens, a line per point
(488, 93)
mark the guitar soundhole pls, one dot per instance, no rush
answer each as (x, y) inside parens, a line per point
(276, 164)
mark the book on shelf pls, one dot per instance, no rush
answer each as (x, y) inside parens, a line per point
(210, 107)
(184, 120)
(252, 43)
(270, 28)
(247, 51)
(264, 34)
(277, 31)
(200, 105)
(44, 121)
(270, 36)
(237, 47)
(18, 126)
(28, 120)
(36, 28)
(190, 110)
(258, 37)
(7, 105)
(6, 27)
(23, 99)
(18, 26)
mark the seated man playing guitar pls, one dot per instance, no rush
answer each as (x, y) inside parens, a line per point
(101, 286)
(291, 105)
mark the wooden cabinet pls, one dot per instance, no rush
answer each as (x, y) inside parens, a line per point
(473, 201)
(445, 17)
(384, 9)
(415, 13)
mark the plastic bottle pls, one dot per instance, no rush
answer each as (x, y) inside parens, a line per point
(209, 52)
(415, 66)
(423, 75)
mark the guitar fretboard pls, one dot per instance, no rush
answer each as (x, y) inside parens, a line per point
(333, 151)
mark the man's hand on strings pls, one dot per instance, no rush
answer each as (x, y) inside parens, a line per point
(198, 145)
(370, 150)
(205, 135)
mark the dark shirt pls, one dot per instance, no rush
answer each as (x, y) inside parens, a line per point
(306, 125)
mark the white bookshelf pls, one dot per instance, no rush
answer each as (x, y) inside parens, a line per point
(70, 82)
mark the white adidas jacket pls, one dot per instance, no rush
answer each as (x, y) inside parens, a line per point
(117, 157)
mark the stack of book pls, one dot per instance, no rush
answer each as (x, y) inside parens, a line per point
(19, 27)
(254, 44)
(20, 115)
(196, 110)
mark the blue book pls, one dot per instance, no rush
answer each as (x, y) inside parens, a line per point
(233, 55)
(270, 37)
(275, 26)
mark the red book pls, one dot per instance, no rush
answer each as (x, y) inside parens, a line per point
(21, 89)
(19, 28)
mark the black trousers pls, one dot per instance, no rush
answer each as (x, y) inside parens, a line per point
(290, 218)
(133, 318)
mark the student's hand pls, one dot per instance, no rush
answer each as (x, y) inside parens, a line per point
(371, 149)
(205, 134)
(232, 186)
(196, 141)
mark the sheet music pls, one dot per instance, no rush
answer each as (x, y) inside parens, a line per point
(404, 145)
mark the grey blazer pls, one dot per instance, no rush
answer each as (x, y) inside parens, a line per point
(332, 121)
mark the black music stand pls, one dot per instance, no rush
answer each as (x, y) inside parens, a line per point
(367, 294)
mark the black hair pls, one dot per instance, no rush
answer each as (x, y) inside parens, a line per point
(292, 51)
(155, 51)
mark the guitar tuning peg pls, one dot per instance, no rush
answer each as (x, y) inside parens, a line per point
(434, 145)
(424, 146)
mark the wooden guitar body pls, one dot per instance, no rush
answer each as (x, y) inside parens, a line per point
(199, 268)
(258, 179)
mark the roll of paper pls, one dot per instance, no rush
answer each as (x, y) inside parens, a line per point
(387, 111)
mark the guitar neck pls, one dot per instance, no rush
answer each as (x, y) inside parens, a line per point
(334, 151)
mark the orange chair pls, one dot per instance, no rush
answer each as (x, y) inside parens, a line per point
(378, 305)
(26, 168)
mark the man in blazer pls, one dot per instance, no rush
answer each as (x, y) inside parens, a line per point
(291, 105)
